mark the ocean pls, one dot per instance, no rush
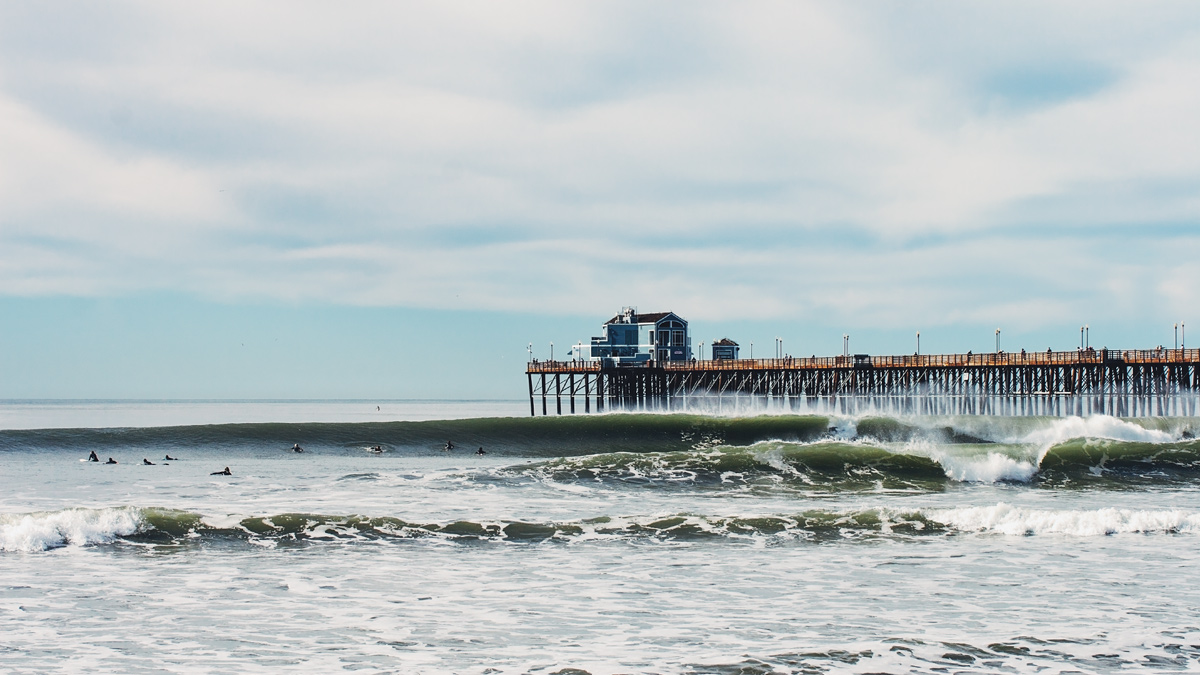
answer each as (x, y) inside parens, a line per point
(601, 544)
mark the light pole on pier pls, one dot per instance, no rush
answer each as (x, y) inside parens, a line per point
(997, 340)
(1176, 336)
(751, 351)
(918, 343)
(1081, 338)
(551, 352)
(1183, 330)
(845, 344)
(530, 352)
(701, 351)
(1087, 336)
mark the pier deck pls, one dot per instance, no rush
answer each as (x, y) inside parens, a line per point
(1126, 383)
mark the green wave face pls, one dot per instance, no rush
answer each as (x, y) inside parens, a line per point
(166, 530)
(522, 436)
(1105, 461)
(164, 526)
(828, 465)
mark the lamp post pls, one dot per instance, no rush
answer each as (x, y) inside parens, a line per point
(1081, 338)
(997, 340)
(530, 348)
(1183, 330)
(1176, 336)
(845, 344)
(918, 343)
(751, 351)
(701, 351)
(551, 352)
(1087, 336)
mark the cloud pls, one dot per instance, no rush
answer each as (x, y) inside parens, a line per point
(811, 159)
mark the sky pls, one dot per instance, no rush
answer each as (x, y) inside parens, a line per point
(396, 199)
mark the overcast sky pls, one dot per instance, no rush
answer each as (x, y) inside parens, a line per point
(521, 170)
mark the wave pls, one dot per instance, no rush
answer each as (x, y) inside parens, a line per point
(532, 437)
(613, 432)
(863, 465)
(35, 532)
(853, 452)
(833, 464)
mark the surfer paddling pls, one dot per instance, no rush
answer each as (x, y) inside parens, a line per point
(168, 458)
(481, 452)
(226, 472)
(449, 447)
(296, 448)
(147, 462)
(111, 461)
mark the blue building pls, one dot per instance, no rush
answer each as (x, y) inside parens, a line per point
(630, 337)
(724, 349)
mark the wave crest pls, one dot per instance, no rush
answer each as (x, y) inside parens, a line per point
(82, 527)
(71, 527)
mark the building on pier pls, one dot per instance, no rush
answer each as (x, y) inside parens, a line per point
(631, 338)
(724, 350)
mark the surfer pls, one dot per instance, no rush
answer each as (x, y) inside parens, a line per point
(296, 448)
(147, 462)
(481, 451)
(377, 449)
(449, 447)
(226, 472)
(169, 458)
(92, 457)
(111, 461)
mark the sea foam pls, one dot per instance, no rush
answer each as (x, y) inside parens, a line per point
(70, 527)
(991, 468)
(1013, 520)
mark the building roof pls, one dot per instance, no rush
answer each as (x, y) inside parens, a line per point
(645, 317)
(724, 342)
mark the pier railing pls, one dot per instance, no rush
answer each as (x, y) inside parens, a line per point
(1085, 356)
(1131, 382)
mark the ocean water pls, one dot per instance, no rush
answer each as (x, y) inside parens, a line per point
(616, 543)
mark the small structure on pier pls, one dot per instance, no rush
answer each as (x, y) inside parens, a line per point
(631, 338)
(724, 350)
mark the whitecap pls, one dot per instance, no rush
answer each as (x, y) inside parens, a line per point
(70, 527)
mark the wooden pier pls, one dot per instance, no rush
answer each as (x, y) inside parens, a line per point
(1133, 383)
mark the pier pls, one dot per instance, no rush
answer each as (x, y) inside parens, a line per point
(1129, 383)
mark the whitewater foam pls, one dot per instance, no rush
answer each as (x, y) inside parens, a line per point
(991, 468)
(1004, 518)
(1095, 426)
(71, 527)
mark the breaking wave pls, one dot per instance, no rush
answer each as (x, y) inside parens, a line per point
(839, 465)
(592, 434)
(34, 532)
